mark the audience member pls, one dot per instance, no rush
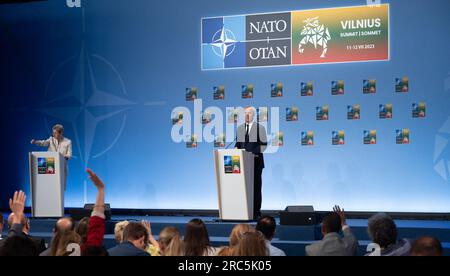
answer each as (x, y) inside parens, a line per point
(427, 247)
(383, 232)
(135, 240)
(333, 244)
(251, 244)
(267, 226)
(196, 240)
(170, 242)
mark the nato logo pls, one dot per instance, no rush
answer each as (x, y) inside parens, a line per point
(223, 43)
(42, 162)
(246, 41)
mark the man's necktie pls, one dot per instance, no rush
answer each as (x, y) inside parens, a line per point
(247, 137)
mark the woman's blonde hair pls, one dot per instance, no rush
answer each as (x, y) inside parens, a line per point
(238, 231)
(226, 251)
(118, 230)
(251, 244)
(171, 243)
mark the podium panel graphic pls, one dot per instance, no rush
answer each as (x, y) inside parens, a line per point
(47, 178)
(235, 185)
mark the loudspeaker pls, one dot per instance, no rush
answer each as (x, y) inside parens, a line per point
(87, 210)
(298, 215)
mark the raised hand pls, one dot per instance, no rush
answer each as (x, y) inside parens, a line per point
(341, 214)
(17, 203)
(147, 226)
(17, 206)
(96, 180)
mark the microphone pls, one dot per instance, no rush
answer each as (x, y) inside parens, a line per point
(231, 143)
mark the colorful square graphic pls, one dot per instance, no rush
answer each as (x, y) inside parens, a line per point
(277, 139)
(402, 136)
(307, 138)
(322, 113)
(206, 117)
(177, 118)
(369, 86)
(276, 90)
(232, 164)
(338, 138)
(337, 88)
(291, 114)
(419, 110)
(191, 94)
(306, 89)
(354, 112)
(370, 137)
(247, 91)
(402, 85)
(386, 111)
(263, 114)
(192, 142)
(46, 165)
(219, 92)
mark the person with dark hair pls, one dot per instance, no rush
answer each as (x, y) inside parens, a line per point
(426, 247)
(267, 226)
(332, 243)
(18, 246)
(196, 240)
(38, 242)
(383, 232)
(135, 240)
(64, 224)
(17, 243)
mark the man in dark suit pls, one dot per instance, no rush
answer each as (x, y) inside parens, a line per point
(135, 240)
(252, 137)
(39, 243)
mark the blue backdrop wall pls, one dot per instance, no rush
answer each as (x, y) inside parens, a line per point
(112, 72)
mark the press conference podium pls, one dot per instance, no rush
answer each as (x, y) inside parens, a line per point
(234, 176)
(47, 178)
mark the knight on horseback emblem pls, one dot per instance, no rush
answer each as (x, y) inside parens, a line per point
(316, 34)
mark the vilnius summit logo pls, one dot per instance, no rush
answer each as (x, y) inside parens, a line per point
(334, 35)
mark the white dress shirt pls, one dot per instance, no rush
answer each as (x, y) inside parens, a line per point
(274, 251)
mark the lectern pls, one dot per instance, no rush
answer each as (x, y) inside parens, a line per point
(47, 178)
(234, 177)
